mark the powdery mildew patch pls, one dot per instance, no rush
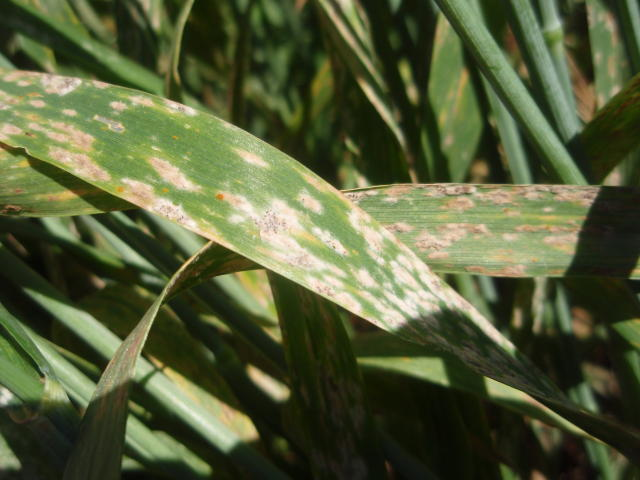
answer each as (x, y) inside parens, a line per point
(113, 125)
(459, 204)
(309, 202)
(328, 239)
(138, 192)
(77, 138)
(59, 85)
(364, 278)
(80, 163)
(141, 100)
(166, 208)
(251, 158)
(172, 174)
(118, 106)
(174, 107)
(279, 230)
(7, 130)
(400, 227)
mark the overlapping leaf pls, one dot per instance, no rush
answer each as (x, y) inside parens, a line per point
(538, 230)
(224, 184)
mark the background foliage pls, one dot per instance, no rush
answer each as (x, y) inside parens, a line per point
(245, 373)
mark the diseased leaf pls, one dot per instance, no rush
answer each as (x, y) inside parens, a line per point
(497, 230)
(99, 447)
(615, 130)
(610, 65)
(224, 184)
(328, 395)
(208, 428)
(454, 101)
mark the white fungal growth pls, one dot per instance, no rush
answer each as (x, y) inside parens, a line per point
(173, 175)
(250, 158)
(8, 129)
(58, 137)
(59, 85)
(118, 106)
(235, 218)
(349, 302)
(78, 138)
(364, 278)
(310, 203)
(80, 163)
(14, 75)
(328, 239)
(240, 204)
(36, 127)
(112, 124)
(139, 193)
(278, 218)
(178, 107)
(140, 100)
(170, 210)
(6, 396)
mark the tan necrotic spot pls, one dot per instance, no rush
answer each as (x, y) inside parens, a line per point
(310, 203)
(348, 301)
(37, 103)
(138, 192)
(59, 85)
(328, 239)
(69, 112)
(510, 237)
(15, 75)
(113, 125)
(250, 158)
(141, 100)
(438, 255)
(400, 227)
(80, 164)
(496, 197)
(172, 211)
(172, 174)
(459, 204)
(100, 85)
(357, 196)
(364, 278)
(58, 137)
(178, 107)
(118, 106)
(9, 129)
(78, 138)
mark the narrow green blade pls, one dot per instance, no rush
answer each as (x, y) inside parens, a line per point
(327, 389)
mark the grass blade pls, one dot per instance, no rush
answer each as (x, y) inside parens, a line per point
(327, 388)
(589, 231)
(105, 343)
(402, 295)
(542, 69)
(511, 91)
(98, 450)
(615, 130)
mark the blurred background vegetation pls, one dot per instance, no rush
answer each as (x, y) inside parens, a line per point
(363, 93)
